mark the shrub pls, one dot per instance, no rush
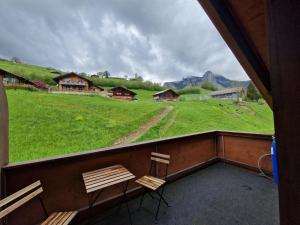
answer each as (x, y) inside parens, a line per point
(189, 90)
(209, 86)
(146, 85)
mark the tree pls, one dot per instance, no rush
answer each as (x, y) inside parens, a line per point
(252, 93)
(106, 74)
(138, 77)
(16, 59)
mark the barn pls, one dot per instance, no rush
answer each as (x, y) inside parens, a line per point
(74, 82)
(10, 79)
(122, 93)
(230, 93)
(166, 95)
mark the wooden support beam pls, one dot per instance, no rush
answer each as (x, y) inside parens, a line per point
(284, 32)
(232, 33)
(3, 128)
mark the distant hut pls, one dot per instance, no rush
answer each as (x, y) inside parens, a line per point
(166, 95)
(74, 82)
(230, 93)
(122, 93)
(10, 79)
(40, 84)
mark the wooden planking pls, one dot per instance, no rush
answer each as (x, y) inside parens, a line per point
(60, 218)
(102, 175)
(20, 202)
(160, 155)
(99, 179)
(95, 179)
(283, 33)
(102, 170)
(150, 182)
(19, 193)
(105, 181)
(160, 160)
(109, 184)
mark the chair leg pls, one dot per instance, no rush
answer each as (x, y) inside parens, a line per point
(141, 202)
(157, 211)
(162, 197)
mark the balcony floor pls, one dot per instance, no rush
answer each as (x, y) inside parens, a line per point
(218, 195)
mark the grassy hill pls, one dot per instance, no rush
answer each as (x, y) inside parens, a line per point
(33, 72)
(213, 114)
(44, 125)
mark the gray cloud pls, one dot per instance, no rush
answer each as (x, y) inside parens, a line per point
(161, 40)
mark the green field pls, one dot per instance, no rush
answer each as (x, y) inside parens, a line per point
(44, 125)
(213, 114)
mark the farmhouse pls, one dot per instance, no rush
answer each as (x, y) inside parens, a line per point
(74, 82)
(230, 93)
(10, 79)
(166, 95)
(122, 93)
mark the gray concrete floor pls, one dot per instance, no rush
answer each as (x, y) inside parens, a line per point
(218, 195)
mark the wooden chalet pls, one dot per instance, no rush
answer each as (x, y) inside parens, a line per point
(166, 95)
(74, 82)
(122, 93)
(229, 93)
(10, 79)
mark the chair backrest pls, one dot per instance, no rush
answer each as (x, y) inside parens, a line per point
(160, 158)
(19, 198)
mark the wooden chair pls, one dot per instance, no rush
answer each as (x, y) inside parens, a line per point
(154, 183)
(14, 201)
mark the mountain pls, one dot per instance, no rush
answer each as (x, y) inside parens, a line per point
(217, 80)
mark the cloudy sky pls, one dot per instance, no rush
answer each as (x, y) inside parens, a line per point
(163, 40)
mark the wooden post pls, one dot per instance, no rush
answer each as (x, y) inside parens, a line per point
(284, 42)
(3, 129)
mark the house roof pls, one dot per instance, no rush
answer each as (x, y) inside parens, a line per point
(164, 91)
(24, 80)
(227, 91)
(123, 88)
(56, 79)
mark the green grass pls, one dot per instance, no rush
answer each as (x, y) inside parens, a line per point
(213, 114)
(45, 125)
(33, 72)
(30, 72)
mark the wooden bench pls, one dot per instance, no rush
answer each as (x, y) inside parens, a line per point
(14, 201)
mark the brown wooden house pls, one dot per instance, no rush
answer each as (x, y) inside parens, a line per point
(10, 79)
(122, 93)
(166, 95)
(74, 82)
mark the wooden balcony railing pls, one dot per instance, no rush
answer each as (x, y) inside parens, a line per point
(64, 188)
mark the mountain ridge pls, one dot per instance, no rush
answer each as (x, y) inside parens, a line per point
(217, 80)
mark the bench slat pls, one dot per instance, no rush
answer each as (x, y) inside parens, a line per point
(20, 202)
(160, 160)
(160, 155)
(19, 193)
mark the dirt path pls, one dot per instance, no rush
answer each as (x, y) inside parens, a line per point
(144, 128)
